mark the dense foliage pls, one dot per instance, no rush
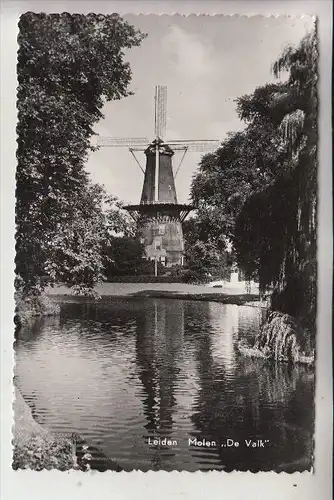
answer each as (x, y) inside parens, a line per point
(260, 186)
(280, 219)
(206, 252)
(124, 257)
(68, 66)
(245, 162)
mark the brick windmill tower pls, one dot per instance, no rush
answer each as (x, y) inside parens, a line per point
(159, 215)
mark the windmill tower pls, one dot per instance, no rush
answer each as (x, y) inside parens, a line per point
(159, 215)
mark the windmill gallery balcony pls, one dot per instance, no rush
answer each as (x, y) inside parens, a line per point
(160, 211)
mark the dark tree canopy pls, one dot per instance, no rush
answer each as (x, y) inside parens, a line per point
(68, 67)
(124, 257)
(245, 162)
(259, 188)
(205, 255)
(280, 219)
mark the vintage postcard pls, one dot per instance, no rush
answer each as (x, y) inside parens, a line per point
(166, 242)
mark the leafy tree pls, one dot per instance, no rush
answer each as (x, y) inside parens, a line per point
(276, 229)
(118, 220)
(78, 252)
(68, 66)
(204, 255)
(245, 162)
(124, 256)
(259, 188)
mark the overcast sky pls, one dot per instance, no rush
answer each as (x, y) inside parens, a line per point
(206, 62)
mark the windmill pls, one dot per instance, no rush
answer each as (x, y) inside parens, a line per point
(158, 214)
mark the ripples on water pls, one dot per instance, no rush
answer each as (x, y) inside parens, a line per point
(121, 371)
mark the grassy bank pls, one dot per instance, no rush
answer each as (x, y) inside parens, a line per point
(36, 448)
(223, 298)
(33, 306)
(226, 294)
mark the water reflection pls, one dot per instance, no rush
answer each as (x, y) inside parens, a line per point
(223, 349)
(121, 372)
(158, 348)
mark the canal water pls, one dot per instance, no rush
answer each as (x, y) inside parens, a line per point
(124, 373)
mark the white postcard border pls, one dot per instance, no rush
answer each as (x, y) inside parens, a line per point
(136, 484)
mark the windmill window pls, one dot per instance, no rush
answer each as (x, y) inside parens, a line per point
(157, 244)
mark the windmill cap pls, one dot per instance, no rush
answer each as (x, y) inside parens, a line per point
(164, 148)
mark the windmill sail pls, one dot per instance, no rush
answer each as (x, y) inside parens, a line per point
(122, 141)
(160, 128)
(200, 146)
(160, 111)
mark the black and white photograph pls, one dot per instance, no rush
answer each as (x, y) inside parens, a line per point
(166, 243)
